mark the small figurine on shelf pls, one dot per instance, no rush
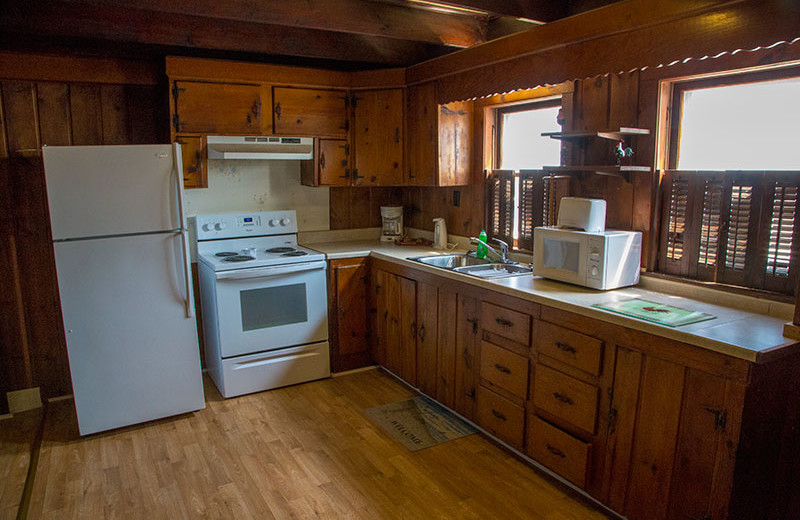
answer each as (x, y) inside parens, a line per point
(622, 151)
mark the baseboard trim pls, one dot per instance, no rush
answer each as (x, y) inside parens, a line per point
(24, 400)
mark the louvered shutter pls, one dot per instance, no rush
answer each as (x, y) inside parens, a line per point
(530, 207)
(781, 264)
(500, 197)
(710, 224)
(675, 212)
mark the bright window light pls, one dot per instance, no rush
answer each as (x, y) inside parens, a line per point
(522, 144)
(753, 126)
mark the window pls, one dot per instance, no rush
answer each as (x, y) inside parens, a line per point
(729, 212)
(519, 188)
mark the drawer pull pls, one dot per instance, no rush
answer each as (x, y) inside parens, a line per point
(566, 348)
(563, 398)
(498, 415)
(504, 323)
(555, 451)
(502, 369)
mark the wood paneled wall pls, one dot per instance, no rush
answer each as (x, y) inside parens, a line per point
(37, 110)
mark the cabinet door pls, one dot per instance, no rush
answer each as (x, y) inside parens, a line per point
(194, 171)
(329, 166)
(217, 108)
(446, 349)
(408, 329)
(427, 317)
(421, 142)
(304, 111)
(378, 138)
(467, 341)
(455, 143)
(380, 324)
(348, 314)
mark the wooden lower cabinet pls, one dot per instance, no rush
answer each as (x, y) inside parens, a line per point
(653, 428)
(348, 286)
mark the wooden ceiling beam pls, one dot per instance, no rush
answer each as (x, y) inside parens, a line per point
(43, 18)
(361, 17)
(539, 10)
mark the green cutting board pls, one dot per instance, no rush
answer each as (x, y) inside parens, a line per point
(655, 312)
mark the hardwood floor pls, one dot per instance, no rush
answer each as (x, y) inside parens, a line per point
(306, 451)
(17, 436)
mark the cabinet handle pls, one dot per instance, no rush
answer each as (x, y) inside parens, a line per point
(422, 332)
(502, 369)
(563, 398)
(278, 110)
(566, 348)
(474, 322)
(504, 323)
(498, 415)
(322, 161)
(555, 451)
(256, 107)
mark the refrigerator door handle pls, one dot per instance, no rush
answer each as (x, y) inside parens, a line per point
(187, 266)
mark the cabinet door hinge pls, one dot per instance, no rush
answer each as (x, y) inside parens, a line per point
(176, 91)
(720, 417)
(176, 121)
(356, 176)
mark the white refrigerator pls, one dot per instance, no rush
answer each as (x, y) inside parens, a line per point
(124, 278)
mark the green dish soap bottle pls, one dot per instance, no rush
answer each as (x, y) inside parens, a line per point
(481, 250)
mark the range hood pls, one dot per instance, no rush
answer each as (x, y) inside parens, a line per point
(259, 147)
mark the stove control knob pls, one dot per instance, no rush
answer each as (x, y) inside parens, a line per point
(273, 222)
(219, 226)
(284, 222)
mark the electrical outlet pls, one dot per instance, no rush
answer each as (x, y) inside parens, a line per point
(456, 198)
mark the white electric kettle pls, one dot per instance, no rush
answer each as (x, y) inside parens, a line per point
(439, 233)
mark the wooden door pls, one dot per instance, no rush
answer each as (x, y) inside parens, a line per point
(421, 139)
(349, 340)
(408, 329)
(194, 172)
(216, 108)
(466, 342)
(446, 349)
(380, 322)
(394, 345)
(304, 111)
(455, 143)
(332, 162)
(427, 319)
(378, 138)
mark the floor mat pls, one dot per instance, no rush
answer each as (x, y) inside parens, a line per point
(419, 423)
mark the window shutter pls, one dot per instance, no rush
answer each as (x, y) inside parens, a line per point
(674, 215)
(530, 208)
(500, 199)
(738, 226)
(710, 223)
(782, 230)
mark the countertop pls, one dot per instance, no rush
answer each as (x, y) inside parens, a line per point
(744, 327)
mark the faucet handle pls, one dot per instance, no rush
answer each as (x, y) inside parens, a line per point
(503, 245)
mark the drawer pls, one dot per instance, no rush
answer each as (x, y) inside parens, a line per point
(576, 349)
(500, 417)
(565, 397)
(504, 368)
(504, 322)
(558, 450)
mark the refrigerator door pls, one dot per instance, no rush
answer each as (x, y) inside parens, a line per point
(133, 353)
(112, 190)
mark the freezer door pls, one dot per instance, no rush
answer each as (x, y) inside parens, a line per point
(133, 353)
(112, 190)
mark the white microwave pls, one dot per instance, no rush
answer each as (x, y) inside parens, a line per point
(603, 260)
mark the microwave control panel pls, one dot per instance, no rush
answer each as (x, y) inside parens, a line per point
(595, 255)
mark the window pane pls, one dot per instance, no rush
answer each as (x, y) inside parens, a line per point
(754, 126)
(522, 145)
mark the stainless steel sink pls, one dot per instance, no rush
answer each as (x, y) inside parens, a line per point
(451, 261)
(494, 270)
(467, 264)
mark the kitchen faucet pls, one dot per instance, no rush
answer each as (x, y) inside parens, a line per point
(502, 255)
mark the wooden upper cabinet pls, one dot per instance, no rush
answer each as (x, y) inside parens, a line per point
(194, 173)
(329, 166)
(304, 111)
(378, 137)
(216, 108)
(438, 139)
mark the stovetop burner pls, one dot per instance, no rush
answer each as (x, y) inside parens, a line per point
(295, 253)
(226, 253)
(280, 250)
(237, 258)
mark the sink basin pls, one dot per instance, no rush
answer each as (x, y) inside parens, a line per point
(494, 270)
(451, 262)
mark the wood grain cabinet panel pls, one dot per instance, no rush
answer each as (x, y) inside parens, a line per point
(504, 369)
(427, 321)
(467, 345)
(309, 112)
(216, 108)
(568, 346)
(347, 289)
(558, 450)
(194, 173)
(507, 323)
(329, 166)
(500, 417)
(566, 397)
(378, 137)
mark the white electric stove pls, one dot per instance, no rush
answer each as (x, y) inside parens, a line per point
(264, 302)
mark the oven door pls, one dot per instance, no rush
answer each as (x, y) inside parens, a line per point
(267, 308)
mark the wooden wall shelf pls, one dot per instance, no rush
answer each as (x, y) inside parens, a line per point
(626, 172)
(614, 135)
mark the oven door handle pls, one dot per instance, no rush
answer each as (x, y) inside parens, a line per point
(262, 272)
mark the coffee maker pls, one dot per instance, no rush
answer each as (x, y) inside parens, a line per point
(392, 218)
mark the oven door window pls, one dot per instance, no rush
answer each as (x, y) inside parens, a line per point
(268, 307)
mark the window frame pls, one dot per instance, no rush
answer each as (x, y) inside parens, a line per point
(500, 111)
(702, 186)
